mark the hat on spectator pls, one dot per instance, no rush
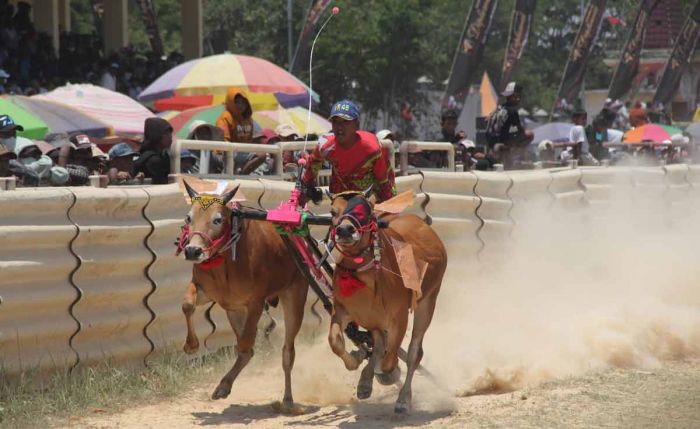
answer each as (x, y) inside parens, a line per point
(121, 149)
(185, 153)
(467, 144)
(286, 130)
(679, 139)
(97, 152)
(385, 134)
(345, 109)
(544, 145)
(512, 88)
(5, 153)
(8, 124)
(269, 136)
(81, 141)
(58, 139)
(59, 176)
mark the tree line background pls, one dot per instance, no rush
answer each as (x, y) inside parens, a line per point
(376, 50)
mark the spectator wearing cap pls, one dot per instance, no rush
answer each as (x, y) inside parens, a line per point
(259, 163)
(31, 157)
(121, 162)
(287, 133)
(357, 160)
(8, 132)
(448, 133)
(154, 159)
(638, 115)
(200, 130)
(187, 162)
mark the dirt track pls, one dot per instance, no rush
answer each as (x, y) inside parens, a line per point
(665, 397)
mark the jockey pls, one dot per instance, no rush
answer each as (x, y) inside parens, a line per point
(357, 159)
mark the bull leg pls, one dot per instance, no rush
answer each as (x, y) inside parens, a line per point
(293, 301)
(390, 371)
(336, 338)
(193, 297)
(364, 386)
(244, 347)
(421, 321)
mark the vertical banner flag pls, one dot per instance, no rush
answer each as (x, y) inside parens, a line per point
(578, 57)
(629, 57)
(520, 25)
(150, 21)
(469, 53)
(301, 55)
(680, 58)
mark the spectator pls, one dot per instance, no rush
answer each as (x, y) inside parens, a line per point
(578, 140)
(3, 80)
(121, 163)
(8, 132)
(30, 156)
(200, 130)
(154, 159)
(260, 163)
(287, 133)
(597, 136)
(545, 151)
(448, 133)
(638, 115)
(5, 157)
(505, 132)
(388, 135)
(236, 121)
(187, 162)
(109, 77)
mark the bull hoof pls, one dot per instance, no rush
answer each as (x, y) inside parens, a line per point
(402, 408)
(390, 378)
(191, 346)
(364, 391)
(221, 392)
(288, 408)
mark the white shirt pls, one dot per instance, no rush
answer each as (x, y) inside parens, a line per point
(108, 81)
(578, 134)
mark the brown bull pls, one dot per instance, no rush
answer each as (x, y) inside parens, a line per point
(370, 289)
(261, 271)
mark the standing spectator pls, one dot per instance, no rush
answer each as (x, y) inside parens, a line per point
(236, 121)
(154, 159)
(109, 77)
(505, 132)
(597, 136)
(448, 133)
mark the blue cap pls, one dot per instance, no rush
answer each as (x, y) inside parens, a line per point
(7, 124)
(345, 109)
(119, 150)
(185, 153)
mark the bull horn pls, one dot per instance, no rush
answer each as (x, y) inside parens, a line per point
(191, 192)
(329, 195)
(367, 192)
(229, 196)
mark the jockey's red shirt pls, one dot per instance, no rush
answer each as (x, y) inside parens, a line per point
(356, 168)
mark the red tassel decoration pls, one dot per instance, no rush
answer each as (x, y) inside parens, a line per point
(349, 284)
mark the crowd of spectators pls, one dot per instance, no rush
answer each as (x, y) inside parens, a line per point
(29, 64)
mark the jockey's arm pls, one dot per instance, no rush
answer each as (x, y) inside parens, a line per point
(315, 162)
(384, 177)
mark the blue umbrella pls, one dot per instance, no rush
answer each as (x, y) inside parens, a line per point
(557, 132)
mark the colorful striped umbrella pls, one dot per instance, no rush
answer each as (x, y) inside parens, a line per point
(655, 133)
(296, 117)
(34, 128)
(204, 81)
(62, 118)
(122, 113)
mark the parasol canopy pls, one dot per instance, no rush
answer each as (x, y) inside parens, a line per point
(204, 82)
(650, 133)
(122, 113)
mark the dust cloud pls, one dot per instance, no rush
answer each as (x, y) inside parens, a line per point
(571, 291)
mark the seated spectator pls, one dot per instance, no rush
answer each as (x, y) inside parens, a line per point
(597, 136)
(187, 162)
(578, 140)
(448, 133)
(88, 155)
(200, 130)
(236, 121)
(154, 159)
(121, 163)
(31, 157)
(287, 133)
(260, 163)
(8, 132)
(5, 157)
(638, 115)
(545, 151)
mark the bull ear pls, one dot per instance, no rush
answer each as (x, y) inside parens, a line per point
(367, 192)
(229, 195)
(191, 192)
(329, 195)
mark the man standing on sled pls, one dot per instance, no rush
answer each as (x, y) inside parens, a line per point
(357, 159)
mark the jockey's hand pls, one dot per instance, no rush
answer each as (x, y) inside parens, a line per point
(314, 194)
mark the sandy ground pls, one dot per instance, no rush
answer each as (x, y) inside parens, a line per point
(667, 397)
